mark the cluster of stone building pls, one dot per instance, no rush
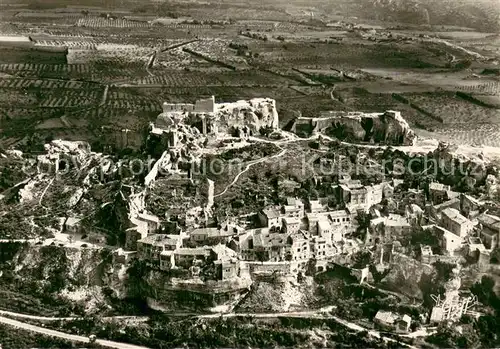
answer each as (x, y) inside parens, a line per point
(289, 234)
(294, 233)
(300, 231)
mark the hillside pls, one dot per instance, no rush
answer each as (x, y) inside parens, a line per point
(482, 15)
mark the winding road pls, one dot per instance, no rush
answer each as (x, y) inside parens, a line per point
(322, 313)
(67, 318)
(67, 336)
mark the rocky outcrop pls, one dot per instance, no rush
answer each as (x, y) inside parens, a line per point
(388, 127)
(255, 114)
(71, 274)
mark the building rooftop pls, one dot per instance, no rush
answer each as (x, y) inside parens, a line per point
(337, 214)
(72, 221)
(161, 239)
(209, 232)
(395, 220)
(385, 316)
(323, 224)
(315, 205)
(289, 208)
(489, 220)
(268, 240)
(452, 194)
(291, 220)
(148, 217)
(438, 186)
(224, 252)
(271, 213)
(406, 318)
(437, 314)
(205, 251)
(454, 215)
(416, 209)
(446, 204)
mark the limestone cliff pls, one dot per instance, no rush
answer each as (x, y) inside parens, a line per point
(255, 114)
(76, 275)
(388, 127)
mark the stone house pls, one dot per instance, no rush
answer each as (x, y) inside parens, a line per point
(73, 225)
(261, 245)
(150, 247)
(185, 257)
(390, 320)
(414, 214)
(490, 230)
(353, 193)
(475, 246)
(450, 241)
(152, 222)
(469, 206)
(438, 192)
(294, 208)
(214, 236)
(202, 235)
(315, 206)
(291, 224)
(300, 249)
(270, 217)
(387, 229)
(324, 228)
(452, 220)
(321, 248)
(227, 269)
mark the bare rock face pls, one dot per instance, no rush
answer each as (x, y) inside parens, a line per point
(254, 114)
(391, 128)
(388, 127)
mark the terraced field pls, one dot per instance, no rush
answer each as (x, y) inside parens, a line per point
(475, 135)
(16, 83)
(44, 68)
(98, 22)
(489, 88)
(174, 78)
(454, 110)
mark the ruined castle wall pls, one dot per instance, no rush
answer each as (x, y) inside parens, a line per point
(206, 105)
(178, 107)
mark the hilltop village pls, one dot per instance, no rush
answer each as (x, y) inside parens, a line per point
(405, 236)
(369, 229)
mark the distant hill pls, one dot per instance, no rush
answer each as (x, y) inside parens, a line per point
(483, 15)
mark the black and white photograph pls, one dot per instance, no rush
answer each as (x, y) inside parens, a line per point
(249, 174)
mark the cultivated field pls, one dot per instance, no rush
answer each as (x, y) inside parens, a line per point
(153, 52)
(97, 22)
(476, 135)
(454, 110)
(46, 83)
(490, 88)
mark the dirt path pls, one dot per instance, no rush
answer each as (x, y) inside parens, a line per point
(45, 190)
(247, 167)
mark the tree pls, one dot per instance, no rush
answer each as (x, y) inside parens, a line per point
(363, 223)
